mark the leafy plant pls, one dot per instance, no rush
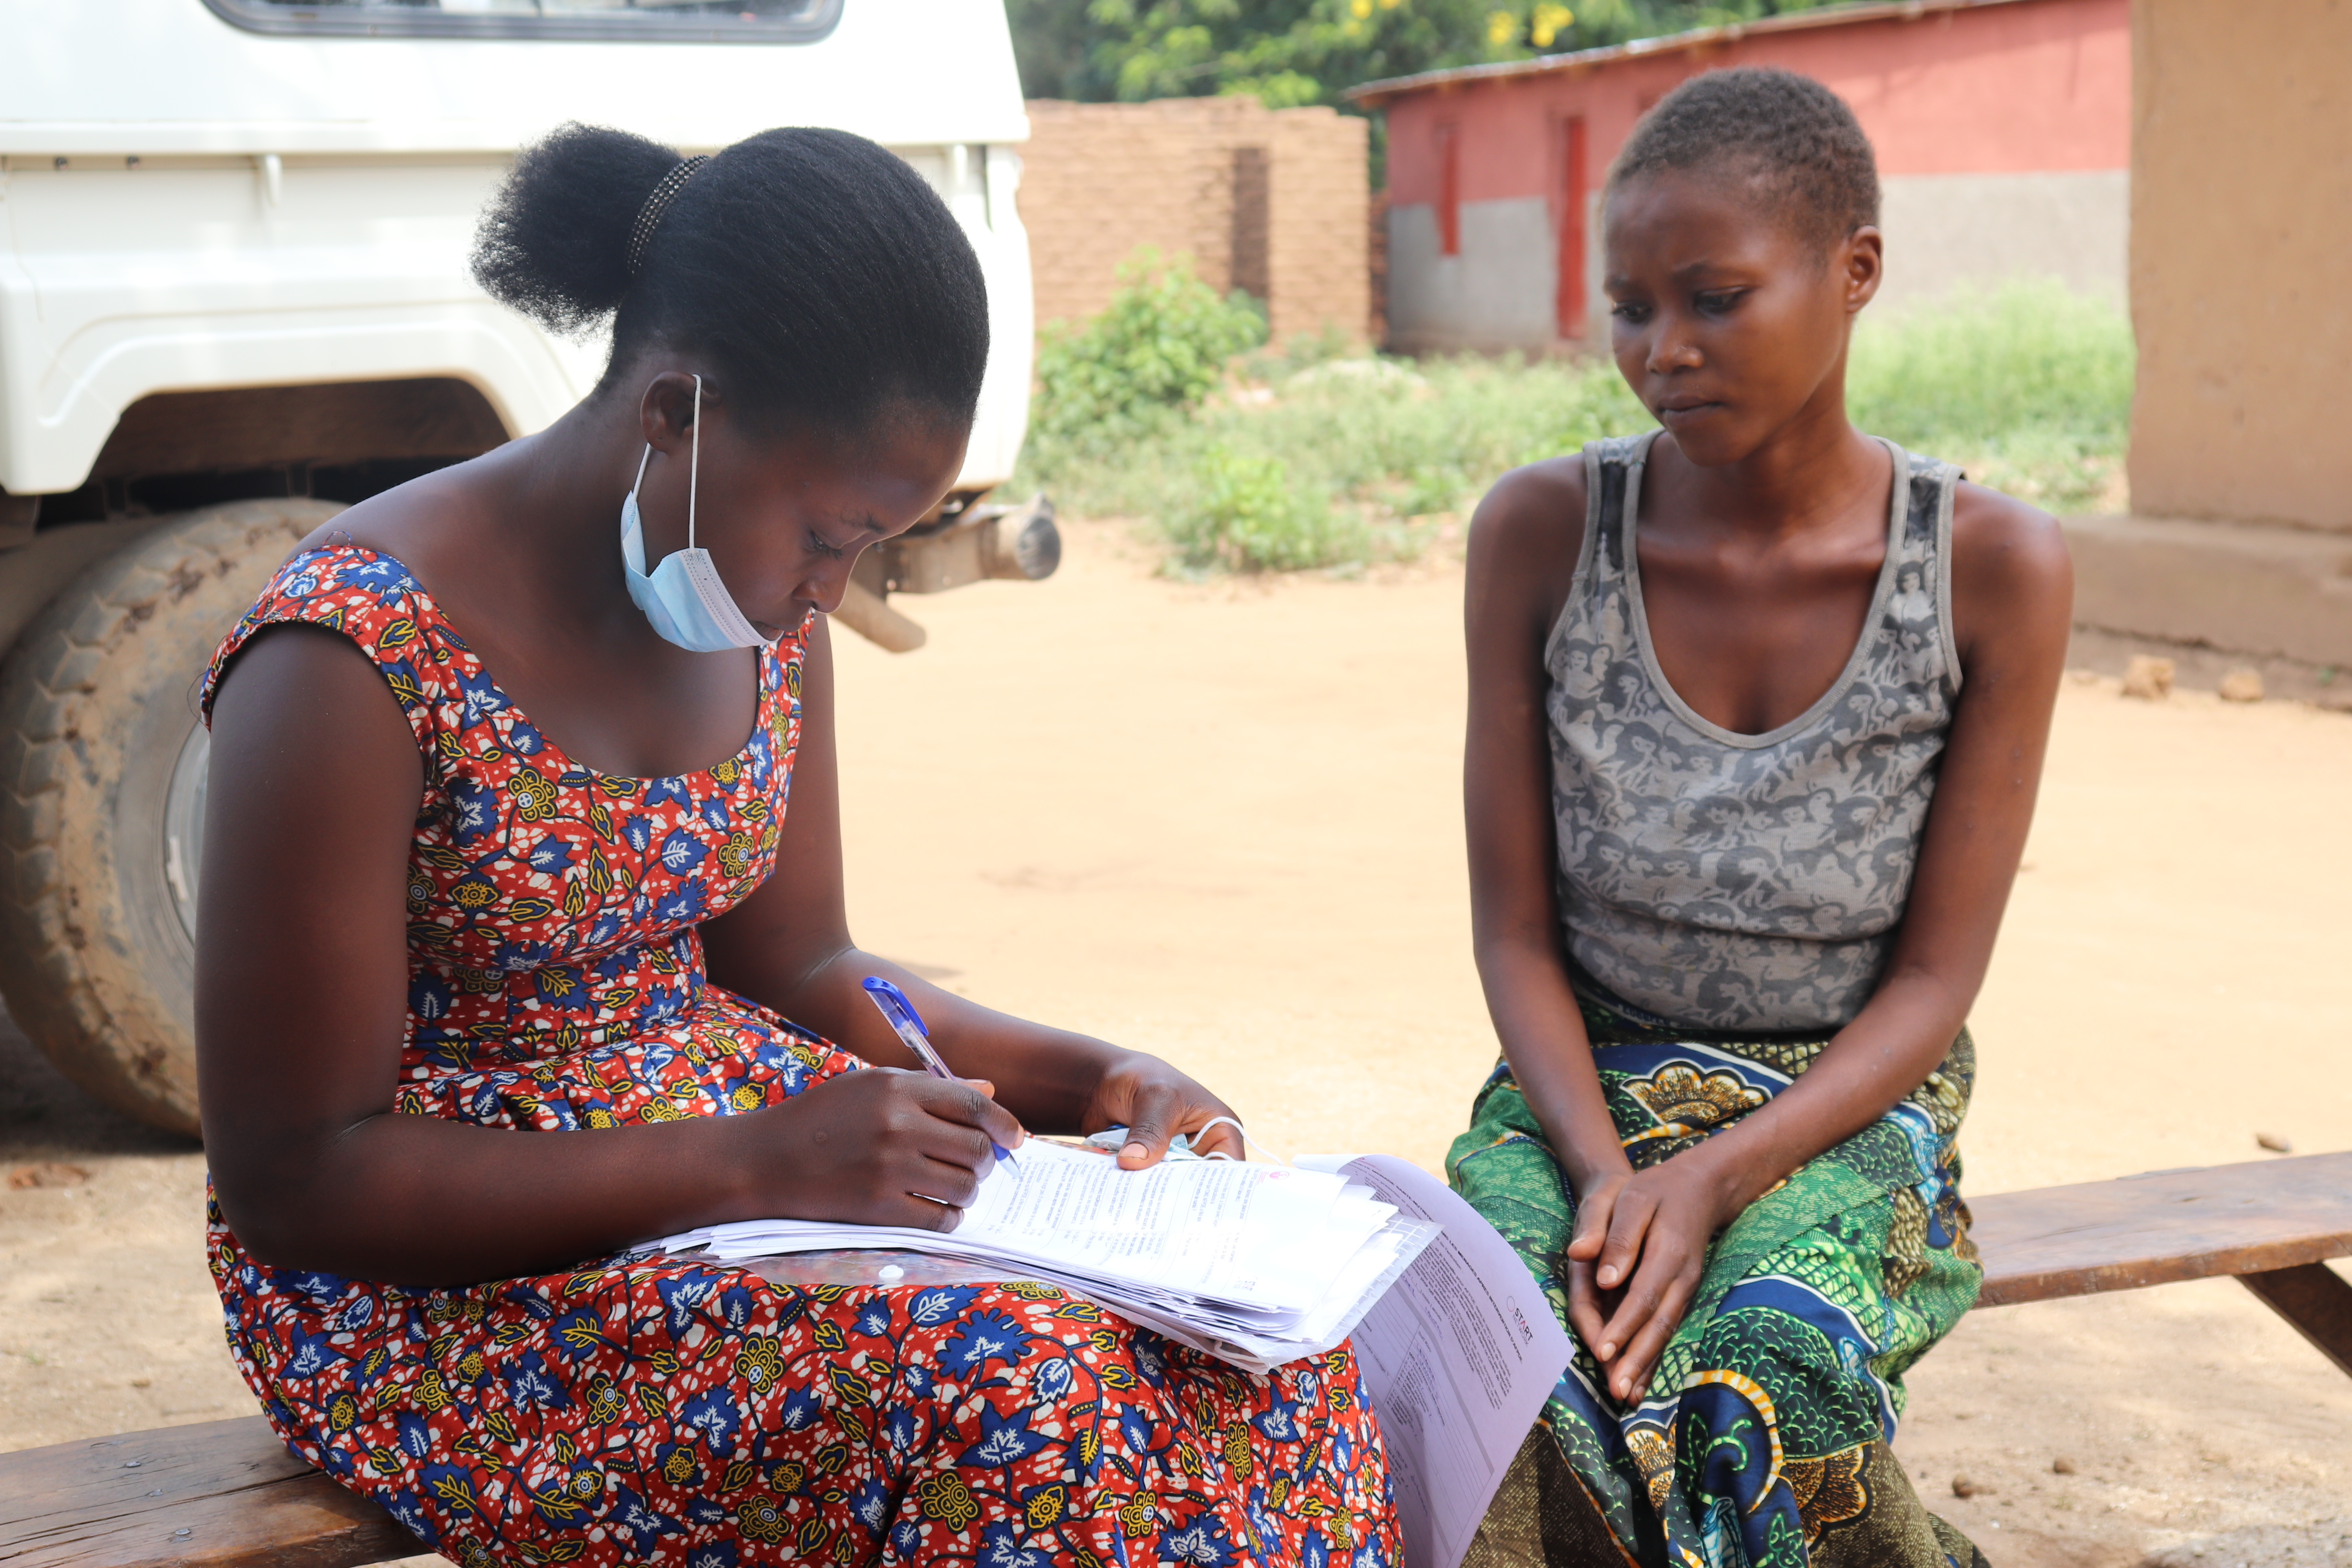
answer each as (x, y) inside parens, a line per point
(1246, 513)
(1157, 350)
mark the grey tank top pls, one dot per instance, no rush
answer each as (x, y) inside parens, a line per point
(1731, 881)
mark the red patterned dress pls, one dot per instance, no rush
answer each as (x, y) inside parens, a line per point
(639, 1409)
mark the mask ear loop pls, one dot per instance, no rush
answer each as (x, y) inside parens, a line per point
(694, 463)
(640, 481)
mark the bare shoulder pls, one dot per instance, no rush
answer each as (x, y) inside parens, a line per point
(1532, 512)
(2010, 570)
(1526, 535)
(408, 519)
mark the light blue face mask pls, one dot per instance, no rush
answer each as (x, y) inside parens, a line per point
(683, 597)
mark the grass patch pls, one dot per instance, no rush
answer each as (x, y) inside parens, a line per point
(1306, 460)
(2029, 387)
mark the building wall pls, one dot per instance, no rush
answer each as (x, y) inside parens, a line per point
(2241, 219)
(2002, 133)
(1100, 180)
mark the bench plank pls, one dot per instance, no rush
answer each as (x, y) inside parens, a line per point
(2257, 1218)
(214, 1495)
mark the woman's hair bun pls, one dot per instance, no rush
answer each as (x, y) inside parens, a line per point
(811, 269)
(553, 242)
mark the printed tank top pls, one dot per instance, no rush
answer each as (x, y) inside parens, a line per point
(1731, 881)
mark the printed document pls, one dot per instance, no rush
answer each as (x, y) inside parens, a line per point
(1458, 1358)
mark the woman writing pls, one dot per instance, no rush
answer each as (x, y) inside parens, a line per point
(1758, 711)
(504, 918)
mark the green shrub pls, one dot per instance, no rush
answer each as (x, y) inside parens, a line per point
(1159, 348)
(1246, 513)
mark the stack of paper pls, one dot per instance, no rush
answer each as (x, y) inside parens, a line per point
(1258, 1264)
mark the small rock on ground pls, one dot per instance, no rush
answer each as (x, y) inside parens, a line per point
(2241, 686)
(2148, 677)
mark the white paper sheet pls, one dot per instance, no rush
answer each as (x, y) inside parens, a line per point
(1258, 1264)
(1458, 1357)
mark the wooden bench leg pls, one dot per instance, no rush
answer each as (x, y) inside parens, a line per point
(2316, 1301)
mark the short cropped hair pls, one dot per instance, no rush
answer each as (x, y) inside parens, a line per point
(1788, 131)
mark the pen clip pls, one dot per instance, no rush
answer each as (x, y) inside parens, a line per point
(895, 1005)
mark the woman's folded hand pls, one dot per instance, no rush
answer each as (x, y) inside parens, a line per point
(1635, 1264)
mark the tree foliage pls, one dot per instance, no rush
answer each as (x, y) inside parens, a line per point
(1291, 52)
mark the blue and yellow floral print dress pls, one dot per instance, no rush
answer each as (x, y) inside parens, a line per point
(670, 1412)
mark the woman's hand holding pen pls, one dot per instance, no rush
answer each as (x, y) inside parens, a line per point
(878, 1146)
(1635, 1261)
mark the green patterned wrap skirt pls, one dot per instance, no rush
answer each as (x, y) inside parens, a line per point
(1764, 1439)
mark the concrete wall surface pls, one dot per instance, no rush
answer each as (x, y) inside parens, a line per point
(1100, 180)
(2002, 133)
(2272, 593)
(2241, 221)
(1949, 231)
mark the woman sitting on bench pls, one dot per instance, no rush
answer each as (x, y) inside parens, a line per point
(1717, 672)
(512, 957)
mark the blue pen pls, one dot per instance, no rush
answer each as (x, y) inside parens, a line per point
(909, 1027)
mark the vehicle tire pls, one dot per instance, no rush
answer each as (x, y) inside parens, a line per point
(102, 801)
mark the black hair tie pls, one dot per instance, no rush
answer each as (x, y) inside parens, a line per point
(649, 217)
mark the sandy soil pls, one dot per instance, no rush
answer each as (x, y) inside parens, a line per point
(1222, 823)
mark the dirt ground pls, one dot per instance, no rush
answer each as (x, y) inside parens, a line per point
(1222, 823)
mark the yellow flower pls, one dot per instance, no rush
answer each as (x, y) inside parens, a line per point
(342, 1412)
(748, 1096)
(728, 771)
(1549, 20)
(945, 1497)
(758, 1363)
(1501, 28)
(430, 1393)
(786, 1475)
(603, 1399)
(1138, 1515)
(1237, 1447)
(1045, 1505)
(534, 795)
(758, 1516)
(678, 1468)
(735, 855)
(471, 1365)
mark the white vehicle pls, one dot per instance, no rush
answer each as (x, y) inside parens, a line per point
(234, 297)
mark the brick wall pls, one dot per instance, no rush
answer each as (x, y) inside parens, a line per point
(1271, 201)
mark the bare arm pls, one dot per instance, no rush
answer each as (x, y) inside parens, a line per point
(301, 983)
(787, 947)
(1523, 547)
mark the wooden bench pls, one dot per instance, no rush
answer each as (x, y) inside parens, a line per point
(227, 1493)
